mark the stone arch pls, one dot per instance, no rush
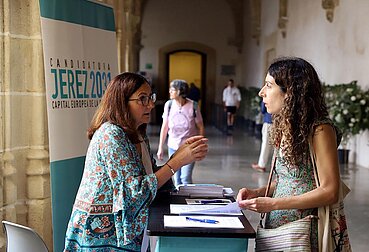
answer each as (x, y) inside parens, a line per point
(209, 71)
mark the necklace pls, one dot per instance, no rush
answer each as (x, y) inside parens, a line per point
(180, 105)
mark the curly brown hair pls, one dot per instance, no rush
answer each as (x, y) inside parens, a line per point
(303, 106)
(114, 106)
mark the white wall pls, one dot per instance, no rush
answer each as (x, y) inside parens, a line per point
(339, 50)
(209, 22)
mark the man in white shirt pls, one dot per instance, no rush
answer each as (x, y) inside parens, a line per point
(231, 102)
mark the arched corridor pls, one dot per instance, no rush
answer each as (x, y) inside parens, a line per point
(242, 36)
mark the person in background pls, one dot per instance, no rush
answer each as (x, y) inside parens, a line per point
(265, 148)
(193, 93)
(293, 94)
(120, 178)
(181, 119)
(231, 102)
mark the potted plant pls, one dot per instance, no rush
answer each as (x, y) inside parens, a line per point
(255, 109)
(250, 106)
(348, 108)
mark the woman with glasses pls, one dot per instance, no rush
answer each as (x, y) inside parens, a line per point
(120, 178)
(181, 119)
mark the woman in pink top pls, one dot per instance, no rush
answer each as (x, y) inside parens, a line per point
(181, 119)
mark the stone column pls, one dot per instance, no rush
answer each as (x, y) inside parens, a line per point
(2, 122)
(238, 13)
(132, 34)
(119, 28)
(256, 19)
(8, 188)
(38, 166)
(283, 17)
(128, 15)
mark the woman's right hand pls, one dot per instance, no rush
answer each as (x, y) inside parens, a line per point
(249, 199)
(194, 149)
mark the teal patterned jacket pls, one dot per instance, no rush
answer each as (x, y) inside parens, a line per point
(110, 211)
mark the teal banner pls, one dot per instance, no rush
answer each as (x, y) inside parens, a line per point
(80, 59)
(81, 12)
(65, 178)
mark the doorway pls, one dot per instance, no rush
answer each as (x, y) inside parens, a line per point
(208, 79)
(189, 66)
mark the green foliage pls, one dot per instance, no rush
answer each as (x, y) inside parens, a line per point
(255, 101)
(250, 104)
(348, 107)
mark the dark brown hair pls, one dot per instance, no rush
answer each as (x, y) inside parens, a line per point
(114, 106)
(304, 105)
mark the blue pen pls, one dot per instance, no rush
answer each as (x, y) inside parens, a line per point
(202, 220)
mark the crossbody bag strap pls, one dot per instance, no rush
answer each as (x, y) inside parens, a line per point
(324, 229)
(313, 162)
(272, 167)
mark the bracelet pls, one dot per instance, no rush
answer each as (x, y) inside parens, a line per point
(171, 169)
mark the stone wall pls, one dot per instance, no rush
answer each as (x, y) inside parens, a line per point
(24, 160)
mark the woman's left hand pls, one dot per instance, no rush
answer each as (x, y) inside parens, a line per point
(260, 204)
(194, 149)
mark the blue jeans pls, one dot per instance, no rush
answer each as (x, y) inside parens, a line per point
(184, 174)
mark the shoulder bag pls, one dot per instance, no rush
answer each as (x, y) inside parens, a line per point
(332, 226)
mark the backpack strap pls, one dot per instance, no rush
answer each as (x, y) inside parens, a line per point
(169, 105)
(195, 105)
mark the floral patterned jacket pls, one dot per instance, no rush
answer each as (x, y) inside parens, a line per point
(110, 211)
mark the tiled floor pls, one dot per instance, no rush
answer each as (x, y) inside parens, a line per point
(229, 163)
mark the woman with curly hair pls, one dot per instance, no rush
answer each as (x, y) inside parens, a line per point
(292, 93)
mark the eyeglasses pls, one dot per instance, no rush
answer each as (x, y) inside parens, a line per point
(145, 99)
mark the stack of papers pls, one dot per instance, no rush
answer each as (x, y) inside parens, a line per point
(200, 190)
(216, 201)
(204, 215)
(202, 221)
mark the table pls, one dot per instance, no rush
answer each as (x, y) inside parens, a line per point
(194, 239)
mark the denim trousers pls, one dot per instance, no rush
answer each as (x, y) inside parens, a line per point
(184, 174)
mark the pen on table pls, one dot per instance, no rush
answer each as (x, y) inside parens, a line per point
(202, 220)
